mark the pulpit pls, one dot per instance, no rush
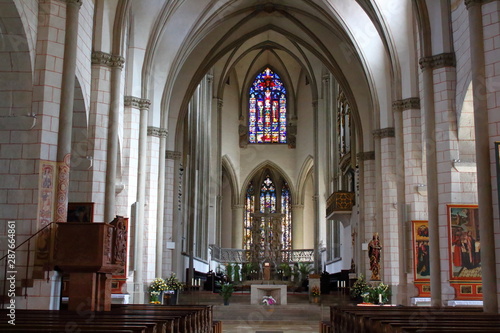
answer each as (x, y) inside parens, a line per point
(90, 253)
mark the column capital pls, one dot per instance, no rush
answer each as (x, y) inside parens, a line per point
(157, 132)
(74, 2)
(384, 133)
(238, 206)
(137, 103)
(297, 206)
(172, 155)
(412, 103)
(470, 3)
(220, 103)
(366, 156)
(438, 61)
(106, 59)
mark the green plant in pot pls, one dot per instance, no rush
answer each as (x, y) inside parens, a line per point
(226, 291)
(359, 288)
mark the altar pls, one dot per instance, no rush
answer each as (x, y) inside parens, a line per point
(277, 291)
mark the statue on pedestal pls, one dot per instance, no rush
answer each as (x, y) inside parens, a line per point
(374, 251)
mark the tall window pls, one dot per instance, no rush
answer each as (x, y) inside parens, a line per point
(343, 125)
(267, 109)
(268, 196)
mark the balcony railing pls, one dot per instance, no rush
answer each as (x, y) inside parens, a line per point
(228, 255)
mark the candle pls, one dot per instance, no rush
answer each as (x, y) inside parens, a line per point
(380, 298)
(192, 281)
(337, 283)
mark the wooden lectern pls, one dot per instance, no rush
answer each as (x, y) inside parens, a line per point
(90, 253)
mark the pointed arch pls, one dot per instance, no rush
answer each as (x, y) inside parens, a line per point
(305, 170)
(276, 169)
(229, 169)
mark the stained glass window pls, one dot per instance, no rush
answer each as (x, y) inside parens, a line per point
(286, 210)
(247, 219)
(268, 197)
(267, 109)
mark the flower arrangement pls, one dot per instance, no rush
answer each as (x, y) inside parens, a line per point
(158, 285)
(315, 291)
(173, 283)
(268, 300)
(154, 297)
(377, 294)
(359, 287)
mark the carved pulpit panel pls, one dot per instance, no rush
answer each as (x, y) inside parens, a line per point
(90, 253)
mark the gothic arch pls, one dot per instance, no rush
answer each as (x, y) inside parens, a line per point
(305, 170)
(228, 169)
(275, 170)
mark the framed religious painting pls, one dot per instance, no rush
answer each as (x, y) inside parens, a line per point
(465, 251)
(421, 259)
(80, 212)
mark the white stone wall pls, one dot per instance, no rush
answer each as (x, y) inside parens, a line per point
(491, 23)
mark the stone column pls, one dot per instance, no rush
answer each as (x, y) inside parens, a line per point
(398, 107)
(141, 197)
(66, 111)
(317, 258)
(483, 163)
(116, 64)
(297, 227)
(387, 219)
(432, 180)
(160, 214)
(237, 226)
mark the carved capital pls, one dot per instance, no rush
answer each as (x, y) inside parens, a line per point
(412, 103)
(384, 133)
(137, 103)
(366, 156)
(172, 155)
(106, 59)
(220, 103)
(438, 61)
(470, 3)
(74, 2)
(158, 132)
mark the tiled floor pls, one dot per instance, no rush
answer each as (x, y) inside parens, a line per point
(298, 316)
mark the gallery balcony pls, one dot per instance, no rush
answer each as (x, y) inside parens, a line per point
(339, 205)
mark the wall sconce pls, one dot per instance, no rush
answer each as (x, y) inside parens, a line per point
(422, 189)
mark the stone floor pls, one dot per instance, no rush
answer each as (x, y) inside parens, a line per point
(298, 316)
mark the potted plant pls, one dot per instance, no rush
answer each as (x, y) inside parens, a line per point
(285, 271)
(229, 272)
(236, 273)
(173, 287)
(156, 289)
(358, 288)
(378, 294)
(226, 291)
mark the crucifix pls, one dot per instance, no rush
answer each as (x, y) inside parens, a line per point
(266, 237)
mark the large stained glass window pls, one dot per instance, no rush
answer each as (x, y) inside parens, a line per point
(286, 209)
(268, 196)
(267, 109)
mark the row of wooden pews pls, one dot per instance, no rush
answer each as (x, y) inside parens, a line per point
(403, 319)
(132, 318)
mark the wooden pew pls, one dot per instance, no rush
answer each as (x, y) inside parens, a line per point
(153, 325)
(199, 317)
(402, 319)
